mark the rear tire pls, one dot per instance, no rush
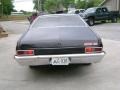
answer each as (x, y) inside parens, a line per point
(103, 21)
(114, 20)
(91, 22)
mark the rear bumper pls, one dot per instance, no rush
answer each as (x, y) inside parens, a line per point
(45, 59)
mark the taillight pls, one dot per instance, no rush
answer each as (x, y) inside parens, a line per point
(25, 52)
(93, 49)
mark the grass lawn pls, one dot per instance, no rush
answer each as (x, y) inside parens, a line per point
(14, 17)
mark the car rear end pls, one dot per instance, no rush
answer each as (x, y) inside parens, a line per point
(61, 45)
(60, 56)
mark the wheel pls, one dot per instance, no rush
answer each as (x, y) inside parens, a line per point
(114, 20)
(91, 21)
(103, 21)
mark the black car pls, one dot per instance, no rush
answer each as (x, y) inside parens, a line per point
(61, 39)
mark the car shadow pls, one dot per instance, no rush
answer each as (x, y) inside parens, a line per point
(59, 72)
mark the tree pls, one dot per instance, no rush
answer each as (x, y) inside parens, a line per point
(56, 5)
(14, 10)
(39, 5)
(66, 3)
(23, 11)
(97, 2)
(80, 4)
(52, 5)
(6, 7)
(87, 3)
(90, 3)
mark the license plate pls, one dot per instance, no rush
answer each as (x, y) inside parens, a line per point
(60, 61)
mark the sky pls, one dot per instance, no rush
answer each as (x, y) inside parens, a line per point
(26, 5)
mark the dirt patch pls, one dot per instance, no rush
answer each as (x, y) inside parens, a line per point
(3, 33)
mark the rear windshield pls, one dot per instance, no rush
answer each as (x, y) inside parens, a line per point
(54, 21)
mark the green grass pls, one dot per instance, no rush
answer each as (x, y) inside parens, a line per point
(14, 17)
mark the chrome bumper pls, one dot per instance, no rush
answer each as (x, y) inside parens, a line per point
(45, 59)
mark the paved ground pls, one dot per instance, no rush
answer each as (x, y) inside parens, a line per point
(108, 31)
(100, 76)
(14, 27)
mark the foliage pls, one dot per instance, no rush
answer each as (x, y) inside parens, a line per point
(24, 12)
(87, 3)
(56, 5)
(6, 7)
(14, 10)
(66, 3)
(36, 2)
(80, 4)
(97, 2)
(50, 6)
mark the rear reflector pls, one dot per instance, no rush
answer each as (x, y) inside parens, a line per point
(93, 49)
(25, 52)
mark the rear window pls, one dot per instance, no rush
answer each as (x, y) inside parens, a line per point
(58, 20)
(104, 10)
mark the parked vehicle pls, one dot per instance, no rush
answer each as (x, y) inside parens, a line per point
(99, 14)
(76, 11)
(59, 39)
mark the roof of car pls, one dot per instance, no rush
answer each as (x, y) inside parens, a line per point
(63, 17)
(48, 15)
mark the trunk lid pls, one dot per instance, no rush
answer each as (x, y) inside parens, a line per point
(58, 37)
